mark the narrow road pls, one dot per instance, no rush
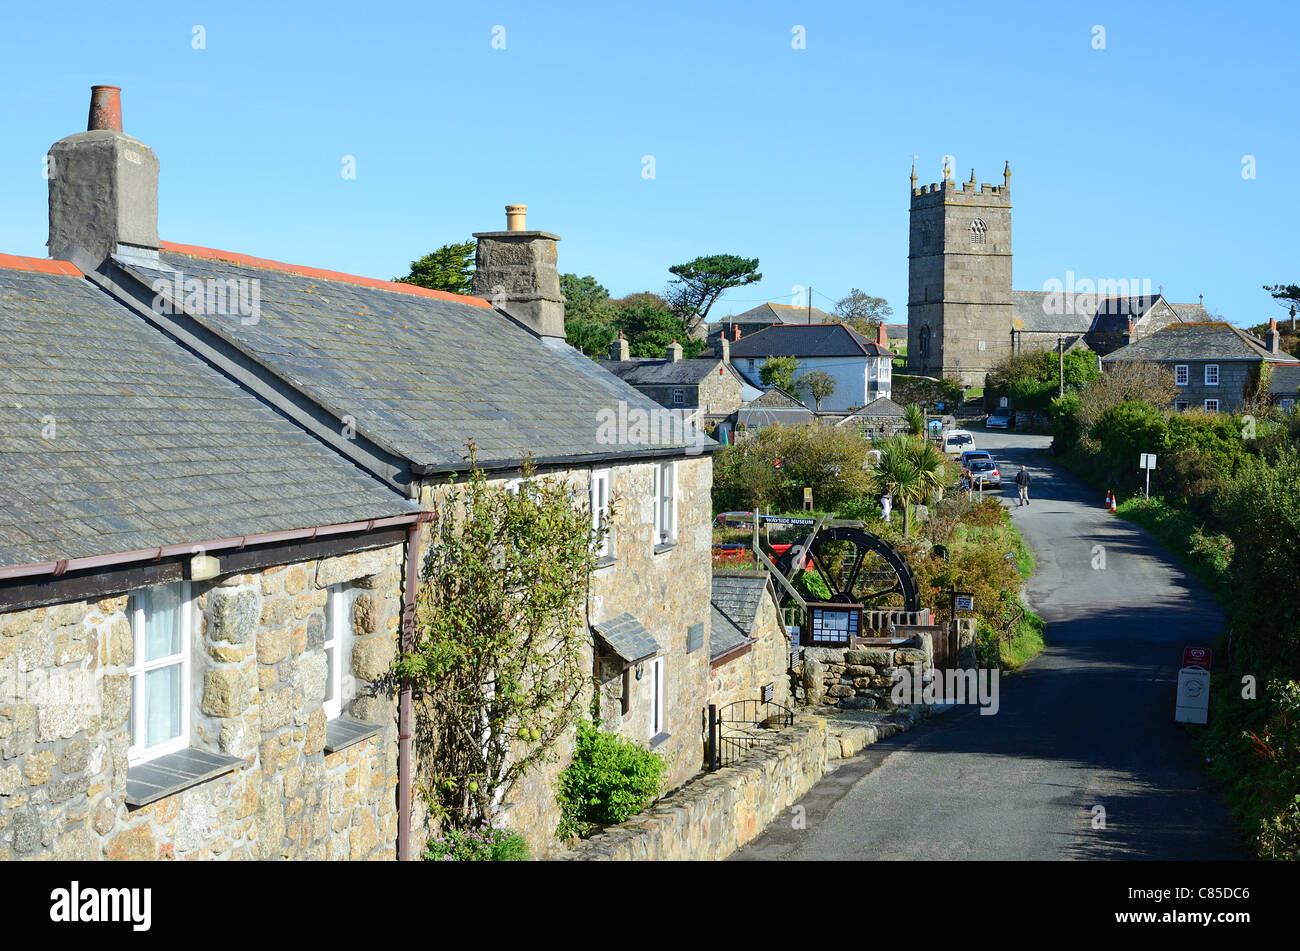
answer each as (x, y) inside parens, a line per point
(1085, 732)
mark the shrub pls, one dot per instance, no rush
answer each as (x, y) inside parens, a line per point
(830, 460)
(476, 845)
(609, 780)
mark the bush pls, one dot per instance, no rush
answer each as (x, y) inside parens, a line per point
(477, 845)
(828, 459)
(610, 780)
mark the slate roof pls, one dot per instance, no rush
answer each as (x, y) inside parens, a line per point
(802, 340)
(1030, 312)
(735, 603)
(419, 374)
(150, 445)
(770, 313)
(627, 638)
(880, 408)
(663, 372)
(769, 415)
(776, 398)
(1205, 340)
(1285, 380)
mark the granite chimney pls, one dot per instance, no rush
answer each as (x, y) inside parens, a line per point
(516, 271)
(103, 186)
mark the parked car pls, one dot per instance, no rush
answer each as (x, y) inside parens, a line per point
(970, 454)
(985, 470)
(1001, 419)
(957, 441)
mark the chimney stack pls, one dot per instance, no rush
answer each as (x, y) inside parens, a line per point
(1273, 339)
(618, 350)
(103, 186)
(516, 270)
(735, 332)
(722, 349)
(882, 336)
(674, 351)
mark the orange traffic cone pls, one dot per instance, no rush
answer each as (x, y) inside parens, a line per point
(1113, 507)
(1109, 499)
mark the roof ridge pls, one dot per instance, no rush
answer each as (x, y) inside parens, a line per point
(17, 262)
(248, 260)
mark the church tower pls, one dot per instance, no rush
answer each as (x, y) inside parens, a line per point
(959, 305)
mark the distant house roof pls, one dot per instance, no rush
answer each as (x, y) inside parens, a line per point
(114, 438)
(665, 372)
(1203, 340)
(418, 372)
(895, 331)
(776, 398)
(769, 313)
(628, 638)
(879, 408)
(805, 341)
(768, 416)
(735, 604)
(1285, 380)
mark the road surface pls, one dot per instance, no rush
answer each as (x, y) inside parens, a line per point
(1085, 733)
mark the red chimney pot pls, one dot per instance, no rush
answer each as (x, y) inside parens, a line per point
(105, 108)
(735, 332)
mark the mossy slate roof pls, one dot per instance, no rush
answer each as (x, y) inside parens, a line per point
(114, 438)
(735, 604)
(419, 375)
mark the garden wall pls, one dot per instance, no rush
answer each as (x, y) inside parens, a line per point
(719, 812)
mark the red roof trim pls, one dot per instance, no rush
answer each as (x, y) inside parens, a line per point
(248, 260)
(14, 262)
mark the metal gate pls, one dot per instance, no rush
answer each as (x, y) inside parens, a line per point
(739, 727)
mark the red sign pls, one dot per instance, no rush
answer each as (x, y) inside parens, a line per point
(1196, 657)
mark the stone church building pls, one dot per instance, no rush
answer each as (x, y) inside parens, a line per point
(963, 316)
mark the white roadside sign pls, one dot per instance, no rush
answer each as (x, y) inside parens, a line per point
(1148, 461)
(1193, 695)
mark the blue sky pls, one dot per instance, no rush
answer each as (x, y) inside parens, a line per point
(1126, 161)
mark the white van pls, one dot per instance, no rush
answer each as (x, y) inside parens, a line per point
(957, 441)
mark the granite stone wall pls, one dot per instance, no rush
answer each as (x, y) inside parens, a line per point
(257, 680)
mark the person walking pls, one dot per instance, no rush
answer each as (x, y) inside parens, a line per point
(1022, 480)
(886, 506)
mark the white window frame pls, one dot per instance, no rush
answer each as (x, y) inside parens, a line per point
(665, 504)
(679, 397)
(598, 494)
(138, 752)
(657, 697)
(1208, 368)
(1210, 409)
(1181, 374)
(337, 628)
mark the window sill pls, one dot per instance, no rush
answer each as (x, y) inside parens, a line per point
(659, 739)
(666, 546)
(342, 732)
(167, 775)
(607, 561)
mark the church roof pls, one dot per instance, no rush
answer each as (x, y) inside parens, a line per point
(1042, 312)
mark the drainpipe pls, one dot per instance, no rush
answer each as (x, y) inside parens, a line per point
(404, 699)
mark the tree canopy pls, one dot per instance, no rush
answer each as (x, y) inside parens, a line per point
(450, 268)
(863, 312)
(702, 281)
(779, 371)
(819, 385)
(590, 319)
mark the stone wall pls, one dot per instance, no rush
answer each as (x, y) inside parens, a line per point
(257, 680)
(857, 678)
(721, 811)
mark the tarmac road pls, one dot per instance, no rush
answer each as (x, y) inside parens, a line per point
(1086, 724)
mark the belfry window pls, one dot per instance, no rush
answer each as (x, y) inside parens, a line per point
(923, 343)
(977, 232)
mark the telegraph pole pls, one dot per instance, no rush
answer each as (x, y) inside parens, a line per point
(810, 303)
(1060, 347)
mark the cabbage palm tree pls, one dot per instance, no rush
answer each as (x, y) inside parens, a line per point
(914, 419)
(911, 470)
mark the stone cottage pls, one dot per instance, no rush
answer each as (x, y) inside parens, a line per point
(1216, 366)
(708, 386)
(749, 649)
(198, 601)
(395, 379)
